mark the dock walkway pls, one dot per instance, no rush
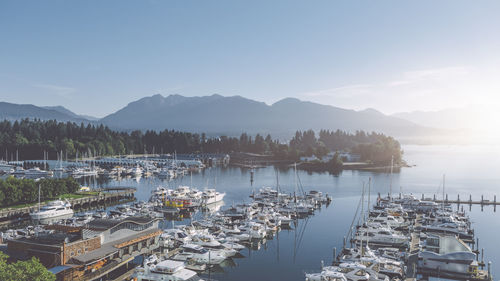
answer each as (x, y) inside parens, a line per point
(104, 196)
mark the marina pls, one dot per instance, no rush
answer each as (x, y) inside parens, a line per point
(293, 250)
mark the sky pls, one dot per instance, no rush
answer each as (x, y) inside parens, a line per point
(94, 57)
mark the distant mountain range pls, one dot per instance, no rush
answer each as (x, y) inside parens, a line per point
(216, 114)
(219, 115)
(451, 118)
(12, 111)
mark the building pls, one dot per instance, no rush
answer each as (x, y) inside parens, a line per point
(90, 252)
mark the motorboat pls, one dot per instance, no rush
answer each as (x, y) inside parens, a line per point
(55, 209)
(164, 270)
(210, 196)
(199, 254)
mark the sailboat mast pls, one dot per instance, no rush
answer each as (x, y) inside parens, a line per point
(369, 191)
(38, 197)
(443, 191)
(390, 185)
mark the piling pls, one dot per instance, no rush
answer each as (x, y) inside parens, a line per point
(482, 257)
(334, 253)
(489, 271)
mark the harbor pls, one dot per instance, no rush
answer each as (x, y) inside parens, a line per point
(290, 252)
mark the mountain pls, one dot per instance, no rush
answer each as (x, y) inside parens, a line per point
(233, 115)
(451, 118)
(12, 111)
(70, 113)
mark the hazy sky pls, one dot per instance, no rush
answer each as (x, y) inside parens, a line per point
(94, 57)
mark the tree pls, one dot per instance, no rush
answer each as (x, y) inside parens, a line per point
(31, 270)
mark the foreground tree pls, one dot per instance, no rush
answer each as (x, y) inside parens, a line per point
(31, 270)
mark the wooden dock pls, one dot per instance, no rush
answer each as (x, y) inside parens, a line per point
(469, 201)
(104, 197)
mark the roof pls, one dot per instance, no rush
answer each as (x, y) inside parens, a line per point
(105, 224)
(110, 248)
(59, 268)
(52, 239)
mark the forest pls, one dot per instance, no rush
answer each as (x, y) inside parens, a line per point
(30, 139)
(15, 191)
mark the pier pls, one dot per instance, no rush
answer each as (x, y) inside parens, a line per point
(104, 196)
(458, 201)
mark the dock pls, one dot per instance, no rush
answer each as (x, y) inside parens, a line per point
(105, 196)
(483, 201)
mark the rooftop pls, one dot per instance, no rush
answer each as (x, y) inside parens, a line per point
(105, 224)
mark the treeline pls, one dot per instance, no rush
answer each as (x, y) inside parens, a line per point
(375, 147)
(30, 138)
(15, 191)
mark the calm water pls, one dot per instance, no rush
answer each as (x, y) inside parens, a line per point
(469, 170)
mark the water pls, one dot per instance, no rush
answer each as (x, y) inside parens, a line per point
(469, 170)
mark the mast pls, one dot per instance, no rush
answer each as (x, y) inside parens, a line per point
(362, 217)
(443, 192)
(369, 191)
(295, 179)
(277, 186)
(39, 198)
(390, 185)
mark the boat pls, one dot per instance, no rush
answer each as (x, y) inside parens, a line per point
(37, 173)
(211, 196)
(199, 255)
(137, 171)
(449, 255)
(55, 209)
(164, 270)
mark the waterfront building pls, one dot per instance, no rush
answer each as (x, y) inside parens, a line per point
(92, 251)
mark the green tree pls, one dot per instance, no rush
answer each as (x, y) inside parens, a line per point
(31, 270)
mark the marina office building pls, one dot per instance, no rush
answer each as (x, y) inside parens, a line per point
(92, 251)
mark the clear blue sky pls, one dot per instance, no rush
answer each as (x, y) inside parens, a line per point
(94, 57)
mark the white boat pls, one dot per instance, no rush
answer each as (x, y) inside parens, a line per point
(36, 172)
(167, 270)
(211, 196)
(84, 172)
(199, 255)
(19, 171)
(449, 255)
(137, 171)
(55, 209)
(381, 236)
(5, 167)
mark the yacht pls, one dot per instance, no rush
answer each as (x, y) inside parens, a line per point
(448, 254)
(211, 196)
(381, 236)
(18, 171)
(167, 270)
(54, 209)
(137, 171)
(36, 172)
(5, 167)
(199, 255)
